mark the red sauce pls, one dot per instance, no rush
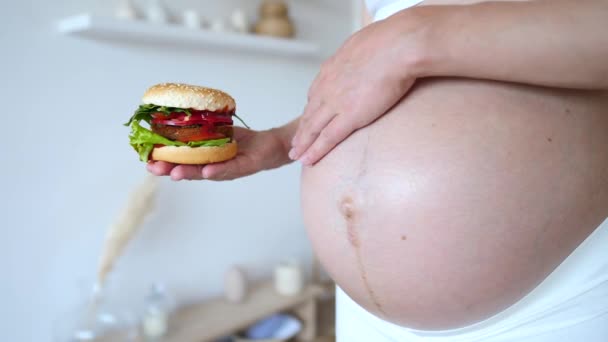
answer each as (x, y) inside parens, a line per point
(197, 117)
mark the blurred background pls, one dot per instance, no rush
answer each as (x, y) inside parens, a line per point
(72, 73)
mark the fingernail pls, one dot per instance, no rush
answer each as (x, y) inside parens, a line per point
(151, 170)
(292, 154)
(305, 160)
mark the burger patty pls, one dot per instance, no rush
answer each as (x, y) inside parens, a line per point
(183, 133)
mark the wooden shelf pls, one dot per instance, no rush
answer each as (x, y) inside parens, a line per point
(113, 29)
(217, 318)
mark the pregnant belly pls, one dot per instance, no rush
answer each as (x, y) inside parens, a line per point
(460, 200)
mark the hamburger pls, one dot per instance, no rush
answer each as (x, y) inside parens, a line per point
(187, 124)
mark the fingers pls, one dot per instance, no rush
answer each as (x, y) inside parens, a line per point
(160, 168)
(177, 172)
(331, 135)
(309, 129)
(190, 172)
(217, 172)
(240, 132)
(241, 166)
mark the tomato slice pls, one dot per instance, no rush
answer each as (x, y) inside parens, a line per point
(160, 115)
(197, 118)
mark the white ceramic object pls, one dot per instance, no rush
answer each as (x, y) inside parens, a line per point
(191, 19)
(288, 278)
(156, 12)
(218, 25)
(155, 324)
(126, 10)
(238, 21)
(235, 285)
(155, 320)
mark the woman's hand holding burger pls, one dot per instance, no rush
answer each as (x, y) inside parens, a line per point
(258, 150)
(190, 135)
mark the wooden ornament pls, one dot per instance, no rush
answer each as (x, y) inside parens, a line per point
(235, 285)
(274, 20)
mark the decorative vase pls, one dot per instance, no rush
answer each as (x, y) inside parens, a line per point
(158, 308)
(274, 20)
(239, 21)
(235, 285)
(126, 10)
(97, 316)
(218, 25)
(191, 19)
(156, 12)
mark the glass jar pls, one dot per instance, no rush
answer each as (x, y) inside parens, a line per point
(159, 306)
(98, 319)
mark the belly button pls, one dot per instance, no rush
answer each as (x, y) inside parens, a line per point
(349, 212)
(347, 209)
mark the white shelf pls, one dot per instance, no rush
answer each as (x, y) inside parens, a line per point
(113, 29)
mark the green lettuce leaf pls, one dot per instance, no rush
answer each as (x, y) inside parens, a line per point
(241, 120)
(143, 141)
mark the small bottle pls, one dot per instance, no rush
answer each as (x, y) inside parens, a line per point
(191, 19)
(218, 25)
(239, 22)
(156, 12)
(126, 10)
(158, 308)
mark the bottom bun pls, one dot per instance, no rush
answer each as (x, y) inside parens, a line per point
(195, 155)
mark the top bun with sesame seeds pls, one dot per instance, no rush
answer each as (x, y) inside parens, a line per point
(189, 96)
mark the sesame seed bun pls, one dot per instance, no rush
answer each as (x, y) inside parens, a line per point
(195, 155)
(188, 96)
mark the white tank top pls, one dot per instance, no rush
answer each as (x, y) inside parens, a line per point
(381, 9)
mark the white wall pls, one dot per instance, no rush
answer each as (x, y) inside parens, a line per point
(67, 167)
